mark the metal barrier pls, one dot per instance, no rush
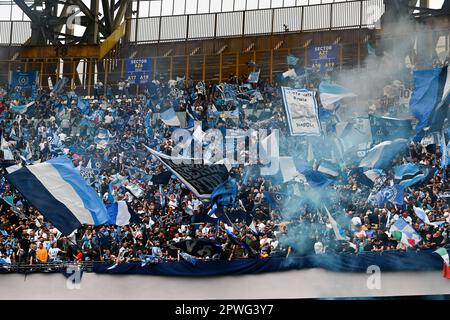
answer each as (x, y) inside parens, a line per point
(51, 267)
(306, 18)
(298, 18)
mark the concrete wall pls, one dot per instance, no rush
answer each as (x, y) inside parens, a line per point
(311, 283)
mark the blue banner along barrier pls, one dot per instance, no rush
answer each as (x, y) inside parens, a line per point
(387, 261)
(139, 71)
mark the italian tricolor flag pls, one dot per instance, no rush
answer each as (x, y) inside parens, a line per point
(446, 267)
(403, 238)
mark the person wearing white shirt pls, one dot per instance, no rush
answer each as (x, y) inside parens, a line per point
(108, 119)
(318, 247)
(53, 253)
(206, 229)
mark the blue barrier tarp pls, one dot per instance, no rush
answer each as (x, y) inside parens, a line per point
(387, 261)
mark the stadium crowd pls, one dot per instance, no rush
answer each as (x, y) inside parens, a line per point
(255, 226)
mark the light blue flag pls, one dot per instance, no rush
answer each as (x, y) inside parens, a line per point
(103, 138)
(169, 117)
(380, 156)
(440, 112)
(331, 93)
(191, 259)
(83, 105)
(421, 215)
(22, 108)
(291, 60)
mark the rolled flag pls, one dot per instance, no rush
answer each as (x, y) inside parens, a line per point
(421, 215)
(119, 214)
(188, 258)
(60, 193)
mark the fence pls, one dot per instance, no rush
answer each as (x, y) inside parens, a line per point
(306, 18)
(212, 68)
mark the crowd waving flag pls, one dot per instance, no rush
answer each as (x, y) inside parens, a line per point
(60, 193)
(331, 93)
(120, 214)
(199, 178)
(380, 156)
(410, 174)
(386, 128)
(404, 233)
(393, 194)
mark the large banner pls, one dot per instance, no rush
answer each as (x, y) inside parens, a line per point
(323, 58)
(23, 79)
(139, 71)
(200, 179)
(302, 111)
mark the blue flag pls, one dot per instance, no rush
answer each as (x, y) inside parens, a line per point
(83, 105)
(384, 128)
(317, 179)
(393, 194)
(225, 193)
(440, 113)
(409, 174)
(276, 199)
(428, 93)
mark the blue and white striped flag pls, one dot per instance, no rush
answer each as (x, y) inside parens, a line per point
(60, 193)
